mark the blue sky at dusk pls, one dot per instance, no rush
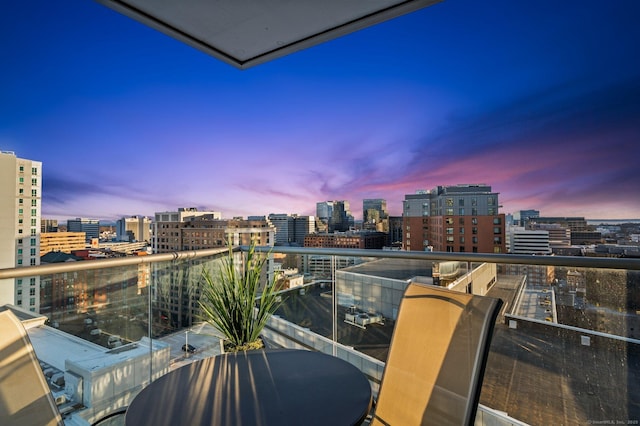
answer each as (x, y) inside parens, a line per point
(539, 99)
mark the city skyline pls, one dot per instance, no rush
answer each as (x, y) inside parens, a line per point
(537, 99)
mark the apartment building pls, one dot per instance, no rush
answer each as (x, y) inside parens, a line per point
(461, 218)
(20, 216)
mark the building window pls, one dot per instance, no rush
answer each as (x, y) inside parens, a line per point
(461, 211)
(449, 211)
(461, 249)
(32, 262)
(474, 249)
(475, 240)
(449, 231)
(20, 221)
(461, 202)
(34, 181)
(474, 230)
(462, 230)
(474, 211)
(490, 201)
(491, 211)
(449, 201)
(21, 169)
(33, 222)
(19, 251)
(461, 221)
(32, 291)
(33, 232)
(474, 221)
(34, 203)
(32, 301)
(497, 221)
(496, 230)
(33, 242)
(33, 252)
(20, 201)
(19, 302)
(20, 231)
(21, 191)
(32, 281)
(449, 221)
(497, 240)
(19, 261)
(34, 170)
(20, 241)
(34, 212)
(19, 292)
(461, 240)
(474, 201)
(21, 180)
(34, 192)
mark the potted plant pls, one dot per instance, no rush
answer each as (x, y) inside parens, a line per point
(233, 303)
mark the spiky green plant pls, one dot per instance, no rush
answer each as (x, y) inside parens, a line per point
(233, 303)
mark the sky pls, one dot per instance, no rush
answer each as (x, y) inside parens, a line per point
(539, 99)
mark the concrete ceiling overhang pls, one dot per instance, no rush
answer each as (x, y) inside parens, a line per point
(245, 33)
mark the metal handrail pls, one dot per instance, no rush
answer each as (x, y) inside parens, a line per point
(567, 261)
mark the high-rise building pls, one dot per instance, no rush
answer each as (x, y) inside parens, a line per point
(91, 227)
(335, 215)
(303, 226)
(20, 216)
(522, 217)
(133, 229)
(291, 228)
(48, 225)
(375, 216)
(462, 218)
(284, 225)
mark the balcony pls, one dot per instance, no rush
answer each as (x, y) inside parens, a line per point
(566, 348)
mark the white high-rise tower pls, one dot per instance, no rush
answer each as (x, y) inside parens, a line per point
(20, 213)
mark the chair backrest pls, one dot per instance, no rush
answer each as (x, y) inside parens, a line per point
(433, 374)
(25, 398)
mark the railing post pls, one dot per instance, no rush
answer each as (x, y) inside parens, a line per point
(334, 304)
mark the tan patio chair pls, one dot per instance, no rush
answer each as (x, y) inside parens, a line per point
(25, 398)
(436, 361)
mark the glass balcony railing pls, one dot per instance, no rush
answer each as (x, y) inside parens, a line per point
(566, 348)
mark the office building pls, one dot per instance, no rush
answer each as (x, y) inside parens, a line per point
(350, 239)
(395, 231)
(62, 241)
(91, 227)
(335, 215)
(462, 218)
(291, 228)
(20, 216)
(527, 241)
(375, 216)
(48, 225)
(522, 217)
(133, 229)
(284, 225)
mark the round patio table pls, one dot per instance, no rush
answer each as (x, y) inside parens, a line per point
(264, 387)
